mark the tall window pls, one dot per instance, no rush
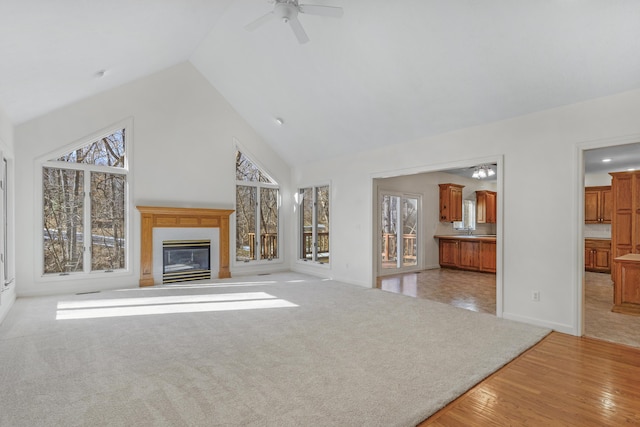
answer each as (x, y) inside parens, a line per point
(256, 212)
(314, 212)
(84, 208)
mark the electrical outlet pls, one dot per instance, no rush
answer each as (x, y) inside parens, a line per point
(535, 296)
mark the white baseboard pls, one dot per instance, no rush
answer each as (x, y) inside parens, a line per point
(567, 329)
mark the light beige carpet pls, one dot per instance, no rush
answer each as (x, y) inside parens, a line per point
(278, 350)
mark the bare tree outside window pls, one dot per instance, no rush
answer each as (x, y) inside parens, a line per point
(78, 181)
(315, 224)
(245, 223)
(63, 192)
(107, 221)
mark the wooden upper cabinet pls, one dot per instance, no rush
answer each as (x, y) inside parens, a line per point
(486, 207)
(450, 202)
(598, 205)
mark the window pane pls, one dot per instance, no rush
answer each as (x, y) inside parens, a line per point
(306, 210)
(108, 151)
(268, 223)
(63, 212)
(409, 231)
(245, 223)
(246, 170)
(322, 220)
(107, 221)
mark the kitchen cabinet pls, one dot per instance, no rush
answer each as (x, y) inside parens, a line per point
(486, 203)
(598, 205)
(449, 252)
(625, 188)
(468, 253)
(625, 239)
(597, 255)
(488, 256)
(450, 202)
(626, 290)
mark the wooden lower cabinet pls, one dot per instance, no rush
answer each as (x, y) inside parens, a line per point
(626, 288)
(449, 253)
(468, 254)
(488, 256)
(597, 255)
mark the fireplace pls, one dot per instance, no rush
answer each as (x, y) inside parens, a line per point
(158, 217)
(184, 260)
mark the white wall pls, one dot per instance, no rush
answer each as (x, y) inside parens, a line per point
(7, 147)
(541, 211)
(183, 155)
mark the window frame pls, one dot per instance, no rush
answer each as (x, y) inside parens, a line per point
(258, 186)
(300, 224)
(46, 162)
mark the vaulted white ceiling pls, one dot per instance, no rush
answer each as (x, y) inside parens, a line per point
(386, 72)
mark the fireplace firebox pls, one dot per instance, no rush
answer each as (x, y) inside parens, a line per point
(185, 260)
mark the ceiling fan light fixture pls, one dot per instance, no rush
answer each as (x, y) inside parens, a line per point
(285, 11)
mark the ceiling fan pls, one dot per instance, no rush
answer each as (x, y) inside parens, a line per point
(287, 11)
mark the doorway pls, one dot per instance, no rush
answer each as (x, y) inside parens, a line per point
(595, 230)
(421, 276)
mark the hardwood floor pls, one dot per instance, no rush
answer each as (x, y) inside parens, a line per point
(563, 380)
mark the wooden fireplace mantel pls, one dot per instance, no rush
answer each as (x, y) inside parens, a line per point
(169, 217)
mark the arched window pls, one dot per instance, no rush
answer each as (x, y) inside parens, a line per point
(257, 207)
(84, 206)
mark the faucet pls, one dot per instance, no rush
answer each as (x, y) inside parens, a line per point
(469, 231)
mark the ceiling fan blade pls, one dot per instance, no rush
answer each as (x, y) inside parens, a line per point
(313, 9)
(258, 22)
(301, 35)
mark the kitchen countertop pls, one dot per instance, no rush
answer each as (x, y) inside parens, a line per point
(485, 237)
(597, 238)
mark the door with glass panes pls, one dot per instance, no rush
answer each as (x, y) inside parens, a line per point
(399, 246)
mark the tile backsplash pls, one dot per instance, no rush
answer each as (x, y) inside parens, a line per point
(602, 231)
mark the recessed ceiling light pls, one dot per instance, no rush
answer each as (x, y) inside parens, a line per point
(607, 160)
(279, 121)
